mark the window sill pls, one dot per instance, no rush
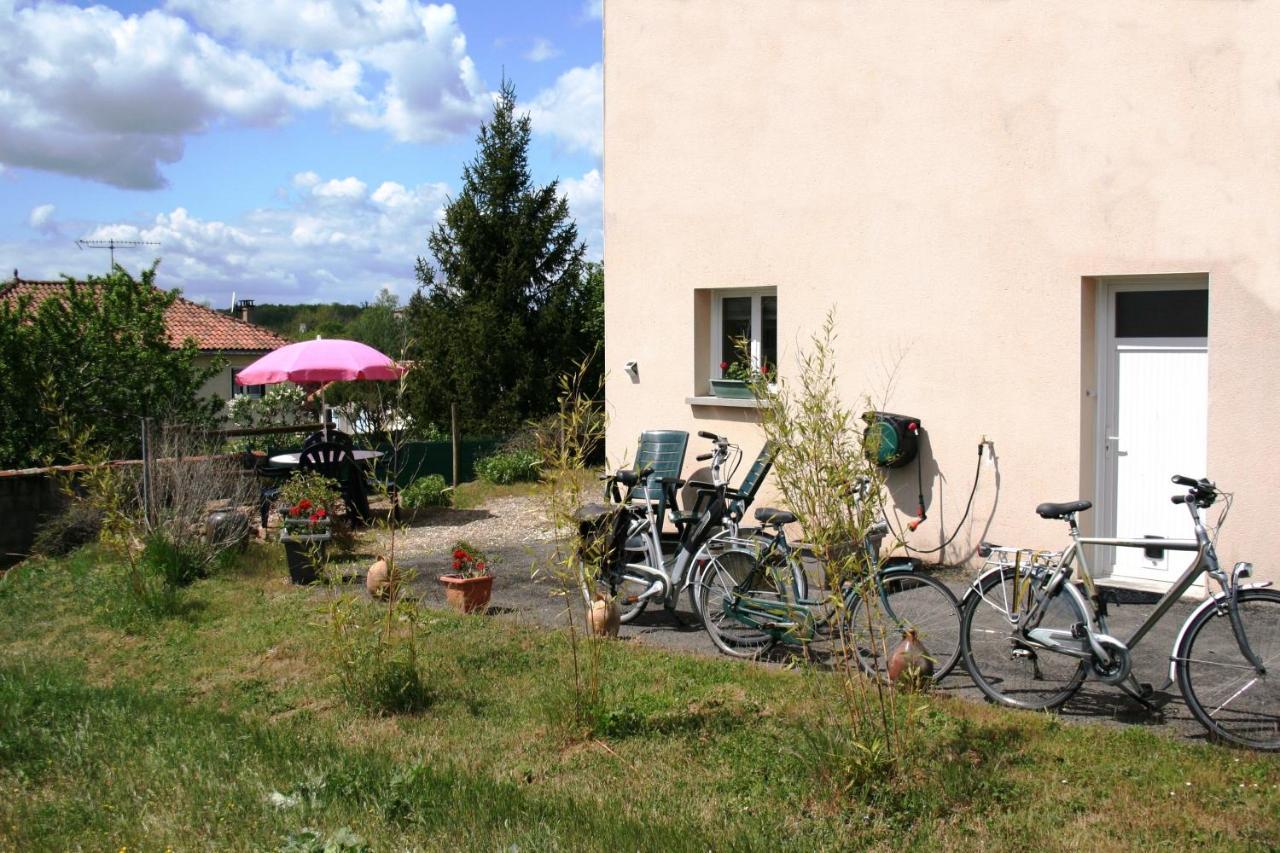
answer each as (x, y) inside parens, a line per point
(723, 402)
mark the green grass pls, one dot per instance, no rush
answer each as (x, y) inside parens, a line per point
(223, 727)
(474, 494)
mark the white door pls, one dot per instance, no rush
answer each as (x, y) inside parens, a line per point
(1156, 385)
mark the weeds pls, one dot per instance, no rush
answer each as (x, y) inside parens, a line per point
(565, 448)
(821, 461)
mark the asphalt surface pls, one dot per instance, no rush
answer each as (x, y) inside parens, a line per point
(521, 597)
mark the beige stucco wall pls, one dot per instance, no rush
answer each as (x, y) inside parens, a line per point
(219, 384)
(950, 175)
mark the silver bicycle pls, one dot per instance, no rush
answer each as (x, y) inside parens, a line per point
(651, 566)
(1030, 635)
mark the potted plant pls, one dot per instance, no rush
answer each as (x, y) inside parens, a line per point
(307, 499)
(736, 381)
(468, 586)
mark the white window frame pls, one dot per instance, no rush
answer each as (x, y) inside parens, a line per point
(757, 322)
(238, 390)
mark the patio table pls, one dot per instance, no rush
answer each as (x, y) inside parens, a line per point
(292, 458)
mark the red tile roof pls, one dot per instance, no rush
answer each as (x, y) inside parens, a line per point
(211, 330)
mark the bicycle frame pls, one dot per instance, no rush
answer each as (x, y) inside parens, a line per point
(763, 613)
(673, 576)
(1097, 644)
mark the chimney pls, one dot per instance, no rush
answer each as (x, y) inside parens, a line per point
(246, 310)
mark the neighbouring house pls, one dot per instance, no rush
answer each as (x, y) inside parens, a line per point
(235, 342)
(1055, 225)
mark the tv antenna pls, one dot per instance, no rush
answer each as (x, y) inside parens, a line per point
(112, 245)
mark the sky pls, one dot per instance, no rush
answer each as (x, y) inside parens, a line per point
(278, 150)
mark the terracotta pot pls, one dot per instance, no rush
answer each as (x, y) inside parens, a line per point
(467, 595)
(378, 581)
(603, 617)
(909, 662)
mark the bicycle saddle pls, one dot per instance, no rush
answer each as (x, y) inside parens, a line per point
(769, 515)
(1062, 510)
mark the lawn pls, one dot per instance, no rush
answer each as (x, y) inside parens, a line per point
(223, 727)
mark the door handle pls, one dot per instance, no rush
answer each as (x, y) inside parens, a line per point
(1113, 443)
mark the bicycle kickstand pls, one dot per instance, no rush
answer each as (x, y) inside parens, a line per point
(1141, 692)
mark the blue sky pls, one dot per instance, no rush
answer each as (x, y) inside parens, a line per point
(287, 150)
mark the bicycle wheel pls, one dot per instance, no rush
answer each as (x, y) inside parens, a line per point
(739, 570)
(715, 588)
(1009, 669)
(905, 600)
(616, 583)
(1222, 689)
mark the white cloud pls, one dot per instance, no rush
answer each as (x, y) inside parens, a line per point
(586, 201)
(399, 66)
(41, 218)
(306, 179)
(98, 94)
(310, 249)
(593, 9)
(93, 93)
(348, 189)
(542, 50)
(572, 110)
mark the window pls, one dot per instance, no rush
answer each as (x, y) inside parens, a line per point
(238, 390)
(1162, 314)
(744, 314)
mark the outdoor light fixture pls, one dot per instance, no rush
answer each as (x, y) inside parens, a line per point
(633, 370)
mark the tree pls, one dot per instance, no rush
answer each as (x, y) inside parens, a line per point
(507, 306)
(83, 367)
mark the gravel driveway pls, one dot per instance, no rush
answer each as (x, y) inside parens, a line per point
(514, 533)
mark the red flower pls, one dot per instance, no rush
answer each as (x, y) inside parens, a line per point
(479, 567)
(724, 365)
(304, 504)
(764, 370)
(459, 554)
(457, 564)
(295, 512)
(315, 516)
(320, 513)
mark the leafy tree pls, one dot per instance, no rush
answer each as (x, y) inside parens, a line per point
(82, 368)
(508, 304)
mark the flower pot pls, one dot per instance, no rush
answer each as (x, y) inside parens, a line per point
(466, 595)
(305, 554)
(733, 389)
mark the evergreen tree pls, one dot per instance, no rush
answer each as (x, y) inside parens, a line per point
(507, 305)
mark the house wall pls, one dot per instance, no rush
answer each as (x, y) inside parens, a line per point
(950, 177)
(219, 385)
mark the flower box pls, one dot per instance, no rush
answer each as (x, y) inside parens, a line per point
(733, 389)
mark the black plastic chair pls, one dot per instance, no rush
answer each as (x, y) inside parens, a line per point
(335, 461)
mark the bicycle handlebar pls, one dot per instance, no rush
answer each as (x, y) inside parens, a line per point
(703, 457)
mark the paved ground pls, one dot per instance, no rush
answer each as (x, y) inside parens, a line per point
(512, 531)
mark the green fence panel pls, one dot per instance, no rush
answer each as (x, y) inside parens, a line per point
(416, 459)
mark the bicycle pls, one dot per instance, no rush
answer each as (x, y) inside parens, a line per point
(1030, 635)
(742, 622)
(639, 568)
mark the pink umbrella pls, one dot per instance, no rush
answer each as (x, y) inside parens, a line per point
(321, 360)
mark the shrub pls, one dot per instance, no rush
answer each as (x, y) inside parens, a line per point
(504, 468)
(430, 490)
(78, 525)
(173, 563)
